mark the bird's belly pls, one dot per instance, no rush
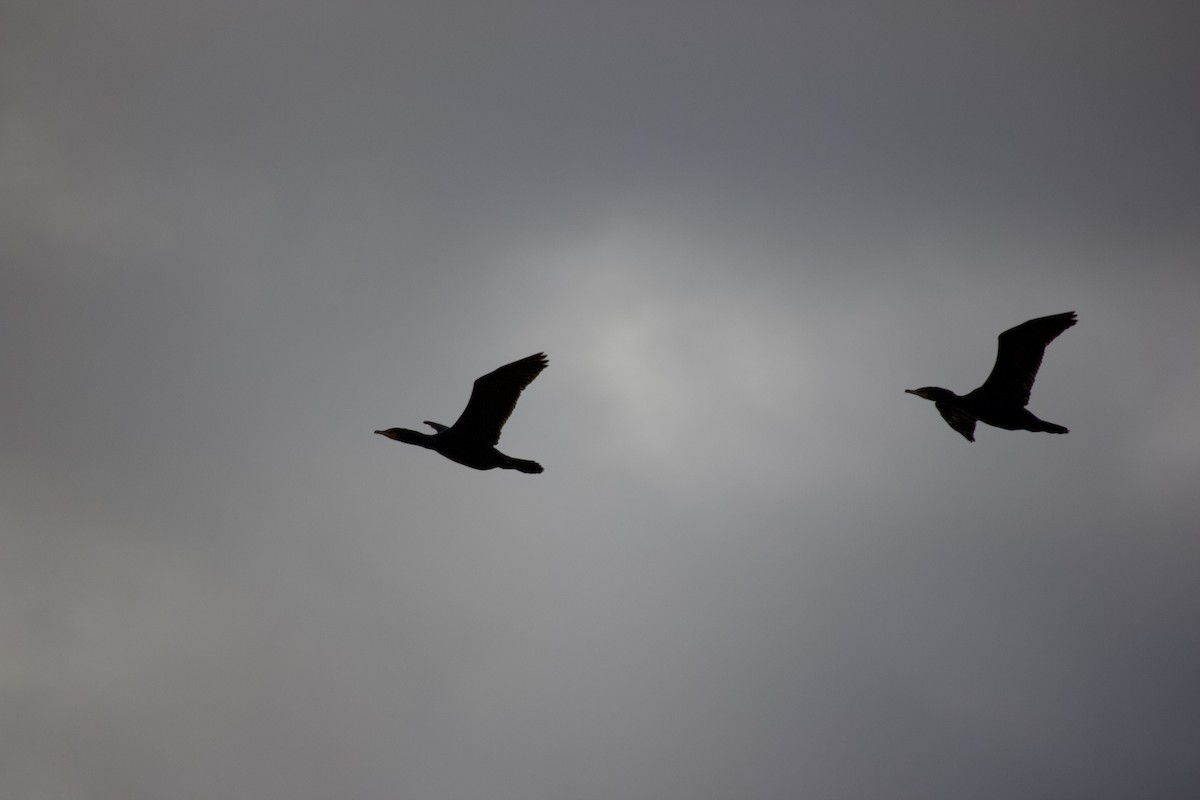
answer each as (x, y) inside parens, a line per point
(1007, 420)
(476, 458)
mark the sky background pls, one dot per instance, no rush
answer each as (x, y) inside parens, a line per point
(237, 236)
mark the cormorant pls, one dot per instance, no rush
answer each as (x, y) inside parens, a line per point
(471, 440)
(1002, 398)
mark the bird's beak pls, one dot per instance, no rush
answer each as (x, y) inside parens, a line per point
(906, 391)
(379, 432)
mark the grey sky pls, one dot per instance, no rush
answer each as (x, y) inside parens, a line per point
(237, 237)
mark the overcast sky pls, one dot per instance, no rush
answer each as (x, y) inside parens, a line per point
(237, 236)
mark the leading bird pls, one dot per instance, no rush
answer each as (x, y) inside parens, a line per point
(1002, 398)
(471, 441)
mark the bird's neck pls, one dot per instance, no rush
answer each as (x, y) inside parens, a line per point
(941, 395)
(415, 437)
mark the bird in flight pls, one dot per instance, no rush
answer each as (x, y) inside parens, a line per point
(1002, 398)
(471, 441)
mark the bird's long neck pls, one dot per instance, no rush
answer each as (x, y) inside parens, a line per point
(414, 437)
(940, 395)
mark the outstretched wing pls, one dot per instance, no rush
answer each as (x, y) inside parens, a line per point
(956, 419)
(1020, 354)
(495, 396)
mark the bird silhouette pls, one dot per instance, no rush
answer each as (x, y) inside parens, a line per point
(1002, 398)
(471, 440)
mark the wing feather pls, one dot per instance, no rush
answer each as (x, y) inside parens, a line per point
(1019, 355)
(963, 423)
(494, 397)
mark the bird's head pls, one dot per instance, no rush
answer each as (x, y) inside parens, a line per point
(934, 393)
(404, 435)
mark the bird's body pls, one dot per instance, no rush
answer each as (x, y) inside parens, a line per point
(471, 440)
(1001, 400)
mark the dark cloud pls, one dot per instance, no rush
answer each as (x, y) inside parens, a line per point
(240, 237)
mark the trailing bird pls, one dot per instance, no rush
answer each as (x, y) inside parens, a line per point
(1002, 398)
(471, 441)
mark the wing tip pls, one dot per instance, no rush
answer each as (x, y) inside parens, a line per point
(537, 362)
(1066, 319)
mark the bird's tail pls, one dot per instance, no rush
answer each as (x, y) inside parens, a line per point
(531, 467)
